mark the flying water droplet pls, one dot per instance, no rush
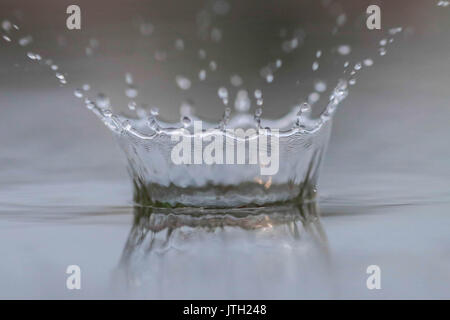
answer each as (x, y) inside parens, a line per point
(236, 80)
(78, 93)
(179, 44)
(202, 75)
(183, 82)
(344, 49)
(315, 66)
(368, 62)
(131, 92)
(24, 41)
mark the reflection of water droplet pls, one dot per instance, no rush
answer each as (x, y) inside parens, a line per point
(382, 51)
(344, 49)
(183, 82)
(78, 93)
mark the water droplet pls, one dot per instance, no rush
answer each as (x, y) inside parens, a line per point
(160, 56)
(131, 92)
(352, 81)
(132, 105)
(31, 55)
(318, 54)
(242, 102)
(382, 51)
(154, 111)
(320, 86)
(290, 45)
(344, 49)
(60, 76)
(146, 28)
(8, 39)
(269, 78)
(128, 78)
(6, 25)
(278, 63)
(383, 42)
(258, 94)
(216, 35)
(24, 41)
(179, 44)
(213, 65)
(358, 66)
(222, 92)
(86, 87)
(258, 112)
(221, 7)
(341, 19)
(346, 64)
(102, 101)
(315, 65)
(313, 97)
(54, 67)
(78, 93)
(202, 54)
(202, 75)
(186, 121)
(236, 80)
(368, 62)
(107, 113)
(183, 82)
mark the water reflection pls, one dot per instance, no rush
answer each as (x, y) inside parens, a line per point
(277, 252)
